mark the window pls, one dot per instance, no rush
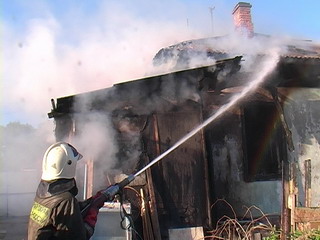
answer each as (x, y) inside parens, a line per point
(263, 141)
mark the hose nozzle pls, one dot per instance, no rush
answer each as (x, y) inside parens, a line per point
(126, 181)
(111, 191)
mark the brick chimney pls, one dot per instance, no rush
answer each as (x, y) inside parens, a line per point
(242, 18)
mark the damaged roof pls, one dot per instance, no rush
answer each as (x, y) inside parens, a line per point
(215, 47)
(170, 89)
(166, 90)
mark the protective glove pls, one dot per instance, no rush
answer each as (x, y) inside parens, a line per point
(84, 204)
(97, 202)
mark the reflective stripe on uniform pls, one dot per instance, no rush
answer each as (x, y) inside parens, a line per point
(39, 213)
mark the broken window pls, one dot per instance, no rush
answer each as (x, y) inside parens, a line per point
(264, 141)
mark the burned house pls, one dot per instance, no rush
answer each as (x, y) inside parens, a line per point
(256, 162)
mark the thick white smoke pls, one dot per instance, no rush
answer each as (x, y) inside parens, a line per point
(49, 57)
(60, 54)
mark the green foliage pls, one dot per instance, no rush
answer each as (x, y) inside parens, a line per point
(274, 235)
(297, 235)
(309, 234)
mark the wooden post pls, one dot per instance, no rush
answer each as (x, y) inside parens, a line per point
(286, 211)
(206, 172)
(89, 178)
(152, 202)
(274, 93)
(293, 192)
(145, 214)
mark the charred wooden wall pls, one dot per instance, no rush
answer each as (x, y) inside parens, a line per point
(227, 148)
(180, 179)
(211, 171)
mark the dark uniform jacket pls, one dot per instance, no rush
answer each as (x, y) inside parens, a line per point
(56, 213)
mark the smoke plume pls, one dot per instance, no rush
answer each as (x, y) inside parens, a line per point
(57, 54)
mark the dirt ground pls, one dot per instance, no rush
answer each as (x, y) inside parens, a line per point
(13, 228)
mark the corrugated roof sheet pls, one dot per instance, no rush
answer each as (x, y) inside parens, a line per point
(294, 48)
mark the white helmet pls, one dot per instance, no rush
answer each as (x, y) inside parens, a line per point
(60, 161)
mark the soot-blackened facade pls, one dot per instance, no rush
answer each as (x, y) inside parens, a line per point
(262, 152)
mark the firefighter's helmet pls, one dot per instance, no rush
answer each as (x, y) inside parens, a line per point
(60, 161)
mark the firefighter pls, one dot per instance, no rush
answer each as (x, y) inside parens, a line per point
(56, 213)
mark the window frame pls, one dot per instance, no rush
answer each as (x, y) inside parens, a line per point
(277, 147)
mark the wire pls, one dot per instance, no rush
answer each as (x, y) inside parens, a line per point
(124, 215)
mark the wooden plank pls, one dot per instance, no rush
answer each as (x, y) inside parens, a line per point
(307, 226)
(285, 126)
(153, 202)
(307, 215)
(89, 187)
(181, 179)
(192, 233)
(286, 211)
(206, 175)
(146, 222)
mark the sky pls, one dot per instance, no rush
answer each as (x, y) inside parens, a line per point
(51, 49)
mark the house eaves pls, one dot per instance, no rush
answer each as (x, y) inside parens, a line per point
(167, 90)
